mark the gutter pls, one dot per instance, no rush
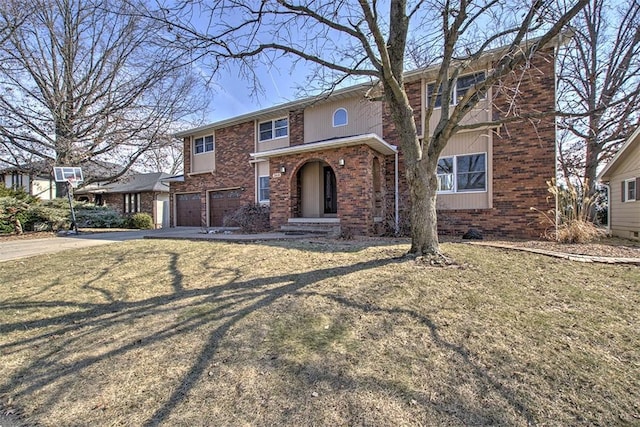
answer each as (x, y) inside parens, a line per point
(608, 187)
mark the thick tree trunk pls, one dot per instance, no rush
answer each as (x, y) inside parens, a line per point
(422, 180)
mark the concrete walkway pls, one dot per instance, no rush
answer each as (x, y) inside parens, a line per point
(17, 249)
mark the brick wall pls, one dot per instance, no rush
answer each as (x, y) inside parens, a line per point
(233, 170)
(296, 127)
(354, 181)
(523, 158)
(116, 202)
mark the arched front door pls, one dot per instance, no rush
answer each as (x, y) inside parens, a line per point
(318, 190)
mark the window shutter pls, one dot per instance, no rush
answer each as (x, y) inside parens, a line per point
(638, 188)
(624, 188)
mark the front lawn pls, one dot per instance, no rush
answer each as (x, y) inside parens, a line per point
(316, 333)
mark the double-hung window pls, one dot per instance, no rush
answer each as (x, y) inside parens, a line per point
(203, 144)
(459, 174)
(629, 190)
(459, 89)
(132, 202)
(263, 189)
(273, 129)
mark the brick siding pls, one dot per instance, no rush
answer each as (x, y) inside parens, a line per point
(523, 159)
(233, 170)
(354, 181)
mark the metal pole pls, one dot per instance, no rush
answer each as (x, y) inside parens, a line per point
(73, 213)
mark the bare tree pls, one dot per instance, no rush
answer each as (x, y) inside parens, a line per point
(166, 156)
(599, 87)
(84, 80)
(369, 40)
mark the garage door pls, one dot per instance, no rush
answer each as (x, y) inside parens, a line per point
(188, 210)
(221, 204)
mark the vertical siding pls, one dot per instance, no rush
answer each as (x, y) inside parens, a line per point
(263, 168)
(203, 162)
(480, 114)
(469, 143)
(311, 176)
(363, 117)
(625, 216)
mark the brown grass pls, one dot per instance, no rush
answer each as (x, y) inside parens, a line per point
(304, 333)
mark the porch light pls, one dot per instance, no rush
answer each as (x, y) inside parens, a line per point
(283, 169)
(341, 162)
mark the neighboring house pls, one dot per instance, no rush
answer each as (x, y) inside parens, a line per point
(35, 182)
(622, 175)
(135, 193)
(335, 160)
(37, 179)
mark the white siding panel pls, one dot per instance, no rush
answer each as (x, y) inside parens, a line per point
(204, 162)
(263, 168)
(625, 216)
(480, 114)
(363, 117)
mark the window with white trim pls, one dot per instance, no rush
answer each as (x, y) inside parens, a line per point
(340, 117)
(459, 89)
(630, 190)
(273, 129)
(463, 173)
(263, 189)
(203, 144)
(132, 202)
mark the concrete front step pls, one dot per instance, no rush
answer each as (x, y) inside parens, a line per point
(329, 229)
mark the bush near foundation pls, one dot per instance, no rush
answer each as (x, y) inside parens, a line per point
(251, 218)
(142, 221)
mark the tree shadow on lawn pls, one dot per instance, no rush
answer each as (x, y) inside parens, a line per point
(234, 301)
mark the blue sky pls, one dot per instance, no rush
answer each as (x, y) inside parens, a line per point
(233, 95)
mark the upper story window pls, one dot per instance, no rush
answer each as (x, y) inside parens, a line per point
(457, 174)
(273, 129)
(629, 190)
(459, 89)
(340, 117)
(204, 144)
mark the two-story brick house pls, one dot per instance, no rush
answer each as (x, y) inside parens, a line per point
(336, 160)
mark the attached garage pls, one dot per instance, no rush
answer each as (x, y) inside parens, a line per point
(222, 203)
(188, 210)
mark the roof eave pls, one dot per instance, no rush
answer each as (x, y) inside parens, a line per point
(370, 139)
(603, 175)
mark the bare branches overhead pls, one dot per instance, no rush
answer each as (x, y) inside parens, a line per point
(87, 79)
(352, 40)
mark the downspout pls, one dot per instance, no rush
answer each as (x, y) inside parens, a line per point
(397, 208)
(608, 187)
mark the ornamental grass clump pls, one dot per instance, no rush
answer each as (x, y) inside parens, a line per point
(572, 221)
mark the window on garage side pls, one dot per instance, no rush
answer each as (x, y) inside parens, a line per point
(203, 144)
(273, 129)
